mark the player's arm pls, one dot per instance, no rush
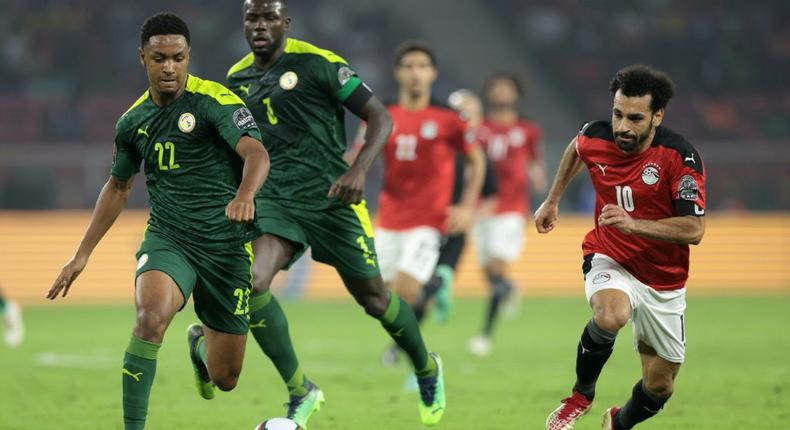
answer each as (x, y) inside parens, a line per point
(570, 166)
(256, 169)
(461, 216)
(109, 205)
(350, 187)
(686, 230)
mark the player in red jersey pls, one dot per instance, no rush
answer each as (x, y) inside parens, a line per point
(415, 206)
(650, 205)
(513, 146)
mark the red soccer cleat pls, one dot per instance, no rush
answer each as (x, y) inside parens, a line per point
(566, 415)
(608, 418)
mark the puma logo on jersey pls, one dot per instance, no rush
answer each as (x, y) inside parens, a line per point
(690, 159)
(135, 376)
(602, 167)
(144, 132)
(245, 89)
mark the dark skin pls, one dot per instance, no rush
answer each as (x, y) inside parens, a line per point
(157, 296)
(266, 24)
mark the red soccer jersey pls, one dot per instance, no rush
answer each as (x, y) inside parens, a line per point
(510, 149)
(420, 164)
(667, 180)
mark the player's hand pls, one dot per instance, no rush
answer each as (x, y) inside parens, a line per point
(68, 274)
(241, 210)
(545, 216)
(617, 217)
(459, 218)
(349, 187)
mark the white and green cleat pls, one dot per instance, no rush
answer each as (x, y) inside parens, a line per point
(432, 399)
(203, 381)
(301, 408)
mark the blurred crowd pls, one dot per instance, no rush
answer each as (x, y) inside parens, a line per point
(729, 58)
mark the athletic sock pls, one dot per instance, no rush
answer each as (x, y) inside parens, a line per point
(500, 288)
(400, 323)
(426, 294)
(139, 369)
(595, 347)
(2, 305)
(641, 406)
(269, 327)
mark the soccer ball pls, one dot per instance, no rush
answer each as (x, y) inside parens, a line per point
(278, 424)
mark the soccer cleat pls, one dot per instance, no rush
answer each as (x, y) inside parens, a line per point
(566, 415)
(608, 418)
(432, 398)
(480, 346)
(301, 408)
(14, 329)
(203, 381)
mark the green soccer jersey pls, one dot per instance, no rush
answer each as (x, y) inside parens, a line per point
(192, 170)
(298, 105)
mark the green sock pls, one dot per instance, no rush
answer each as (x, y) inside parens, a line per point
(201, 350)
(269, 327)
(402, 325)
(2, 305)
(139, 368)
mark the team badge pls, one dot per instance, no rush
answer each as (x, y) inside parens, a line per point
(602, 278)
(344, 75)
(517, 137)
(243, 119)
(141, 262)
(186, 122)
(650, 174)
(688, 188)
(288, 80)
(429, 130)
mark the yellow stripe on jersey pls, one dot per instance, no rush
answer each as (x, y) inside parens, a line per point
(244, 63)
(294, 46)
(139, 101)
(212, 89)
(251, 255)
(364, 218)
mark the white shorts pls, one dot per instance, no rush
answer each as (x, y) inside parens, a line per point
(413, 252)
(500, 236)
(657, 315)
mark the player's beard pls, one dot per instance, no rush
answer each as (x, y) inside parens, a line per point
(631, 145)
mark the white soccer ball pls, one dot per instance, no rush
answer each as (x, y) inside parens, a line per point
(278, 424)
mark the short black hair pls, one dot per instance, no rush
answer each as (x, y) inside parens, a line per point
(163, 23)
(410, 46)
(504, 76)
(638, 80)
(283, 2)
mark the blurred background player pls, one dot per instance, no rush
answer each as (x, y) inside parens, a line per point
(650, 206)
(204, 163)
(298, 93)
(513, 146)
(416, 197)
(13, 329)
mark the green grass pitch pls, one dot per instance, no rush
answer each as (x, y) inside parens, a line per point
(67, 373)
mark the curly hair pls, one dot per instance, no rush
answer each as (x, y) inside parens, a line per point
(638, 80)
(410, 46)
(163, 23)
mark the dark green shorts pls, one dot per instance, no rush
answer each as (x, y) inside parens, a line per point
(219, 280)
(340, 237)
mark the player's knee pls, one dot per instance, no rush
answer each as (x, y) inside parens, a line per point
(150, 325)
(227, 383)
(375, 305)
(260, 282)
(611, 319)
(660, 386)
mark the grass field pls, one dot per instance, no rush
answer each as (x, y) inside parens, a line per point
(67, 374)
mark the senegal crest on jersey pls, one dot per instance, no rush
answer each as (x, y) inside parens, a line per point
(186, 122)
(288, 80)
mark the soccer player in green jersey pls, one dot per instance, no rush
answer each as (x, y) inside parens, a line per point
(298, 94)
(204, 162)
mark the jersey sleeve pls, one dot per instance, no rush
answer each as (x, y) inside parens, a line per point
(337, 78)
(126, 159)
(460, 136)
(688, 185)
(534, 148)
(232, 119)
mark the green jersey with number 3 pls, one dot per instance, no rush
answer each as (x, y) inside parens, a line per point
(298, 104)
(192, 170)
